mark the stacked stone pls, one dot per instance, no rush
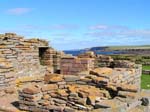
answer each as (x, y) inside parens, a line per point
(22, 53)
(7, 71)
(96, 90)
(19, 57)
(147, 72)
(129, 68)
(103, 61)
(56, 61)
(51, 57)
(123, 64)
(47, 57)
(29, 98)
(60, 93)
(125, 81)
(88, 54)
(28, 58)
(74, 65)
(7, 77)
(137, 77)
(100, 60)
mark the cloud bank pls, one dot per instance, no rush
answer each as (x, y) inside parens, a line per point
(117, 31)
(18, 11)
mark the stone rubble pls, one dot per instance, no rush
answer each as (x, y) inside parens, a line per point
(82, 92)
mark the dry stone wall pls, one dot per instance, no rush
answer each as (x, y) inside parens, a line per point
(98, 89)
(147, 72)
(19, 57)
(88, 54)
(74, 65)
(7, 75)
(22, 53)
(51, 57)
(103, 61)
(106, 61)
(100, 60)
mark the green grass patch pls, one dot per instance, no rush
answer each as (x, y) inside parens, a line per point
(128, 47)
(145, 81)
(146, 67)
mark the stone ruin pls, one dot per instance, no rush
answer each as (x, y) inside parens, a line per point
(100, 60)
(97, 89)
(74, 65)
(47, 80)
(20, 57)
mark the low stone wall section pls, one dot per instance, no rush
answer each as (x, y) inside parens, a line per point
(97, 90)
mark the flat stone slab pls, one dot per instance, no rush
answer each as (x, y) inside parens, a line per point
(7, 103)
(113, 104)
(71, 78)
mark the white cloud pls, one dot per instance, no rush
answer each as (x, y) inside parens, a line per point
(63, 26)
(18, 11)
(117, 31)
(98, 27)
(107, 27)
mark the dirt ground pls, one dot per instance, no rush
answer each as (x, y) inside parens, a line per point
(8, 103)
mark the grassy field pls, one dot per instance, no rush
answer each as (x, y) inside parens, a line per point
(145, 81)
(146, 67)
(128, 47)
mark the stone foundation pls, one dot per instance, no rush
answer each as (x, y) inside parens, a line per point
(97, 90)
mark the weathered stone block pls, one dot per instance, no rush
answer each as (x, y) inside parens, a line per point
(49, 87)
(31, 90)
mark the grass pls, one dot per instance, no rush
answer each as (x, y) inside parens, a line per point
(146, 67)
(128, 47)
(145, 81)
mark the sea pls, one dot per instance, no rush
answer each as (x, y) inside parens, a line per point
(77, 52)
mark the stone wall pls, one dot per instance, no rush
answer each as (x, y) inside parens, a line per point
(146, 72)
(122, 64)
(50, 57)
(88, 54)
(107, 61)
(103, 61)
(7, 75)
(100, 60)
(74, 65)
(98, 89)
(19, 57)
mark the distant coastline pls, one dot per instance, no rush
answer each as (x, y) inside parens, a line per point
(145, 49)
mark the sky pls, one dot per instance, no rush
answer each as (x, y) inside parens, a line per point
(77, 24)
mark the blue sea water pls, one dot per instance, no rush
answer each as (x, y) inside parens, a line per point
(77, 52)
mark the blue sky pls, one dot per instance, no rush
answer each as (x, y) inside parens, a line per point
(74, 24)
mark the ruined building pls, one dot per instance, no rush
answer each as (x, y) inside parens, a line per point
(47, 80)
(21, 57)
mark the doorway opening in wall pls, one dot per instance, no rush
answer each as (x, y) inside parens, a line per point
(42, 51)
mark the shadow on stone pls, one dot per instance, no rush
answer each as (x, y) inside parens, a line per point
(15, 104)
